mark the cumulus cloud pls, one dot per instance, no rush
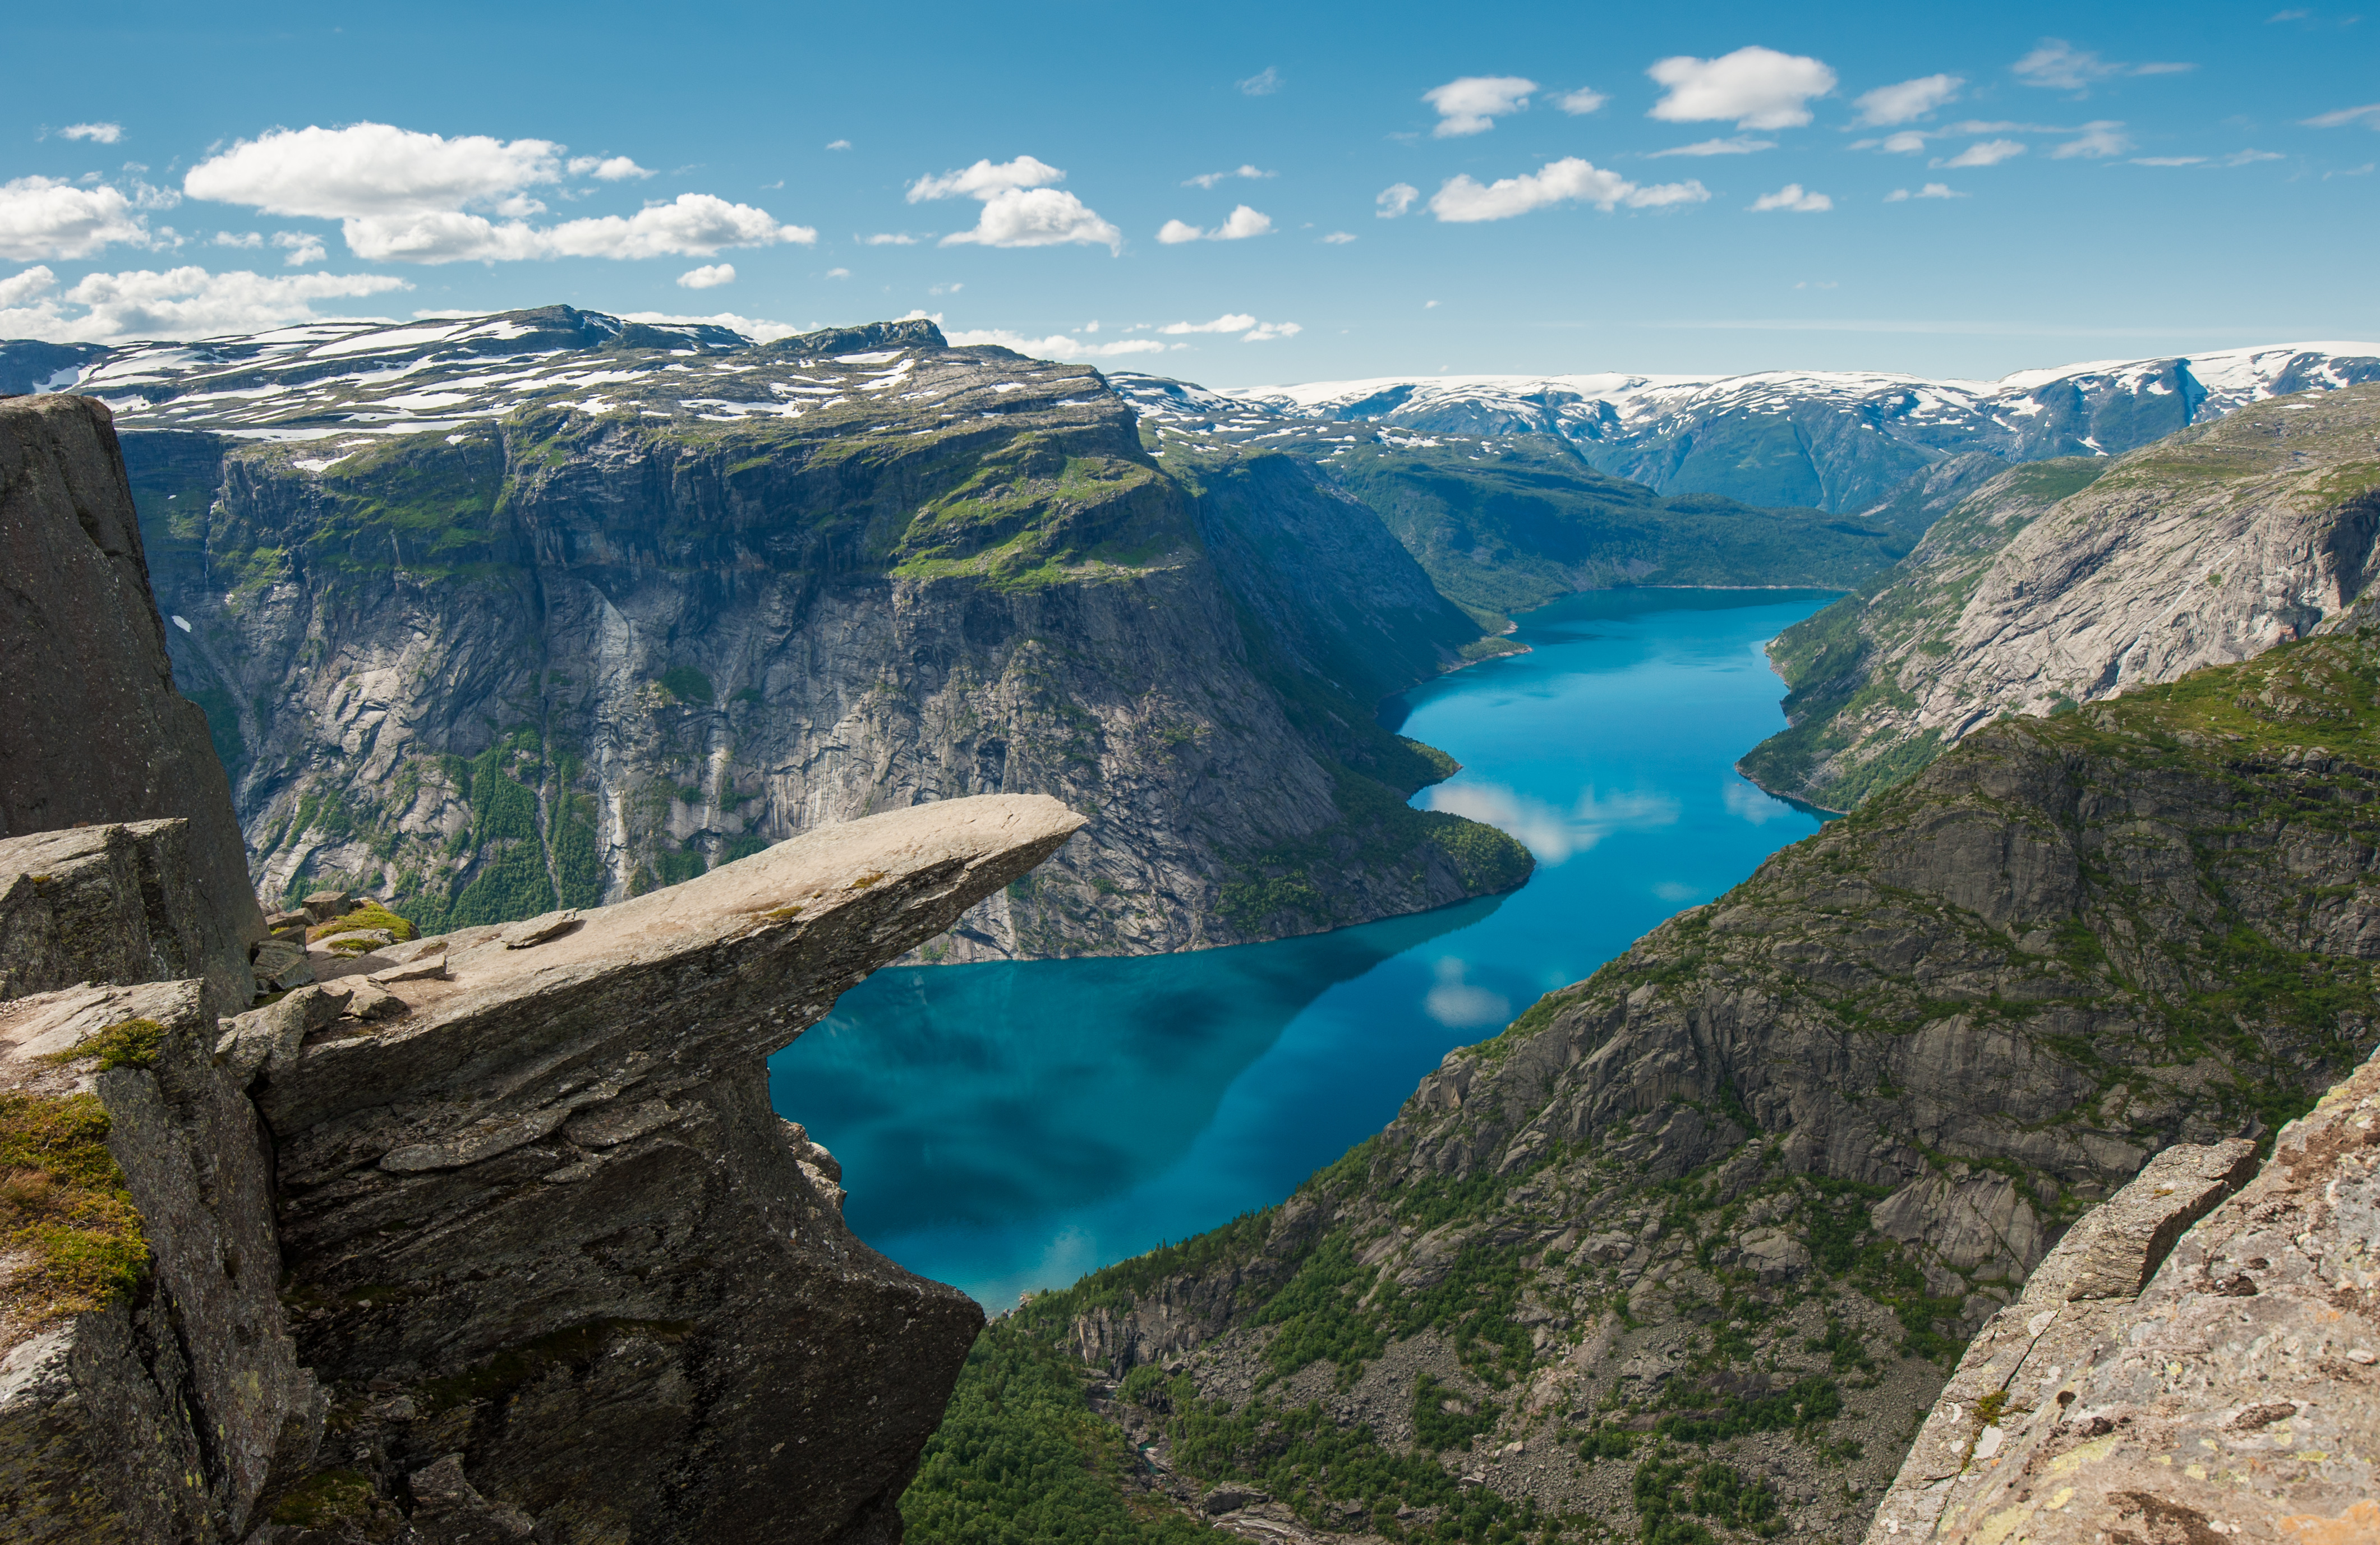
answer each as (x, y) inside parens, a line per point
(408, 197)
(1888, 105)
(45, 217)
(178, 303)
(1250, 330)
(838, 273)
(709, 276)
(1058, 345)
(2098, 139)
(1038, 217)
(1209, 180)
(2059, 66)
(889, 238)
(1473, 103)
(1737, 144)
(98, 134)
(1243, 222)
(1264, 332)
(986, 180)
(1759, 87)
(1395, 200)
(1462, 201)
(1986, 152)
(692, 226)
(1264, 83)
(609, 169)
(302, 247)
(1931, 191)
(838, 144)
(1791, 199)
(1907, 142)
(1582, 101)
(2368, 116)
(1338, 238)
(240, 238)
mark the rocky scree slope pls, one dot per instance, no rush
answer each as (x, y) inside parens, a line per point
(1836, 440)
(495, 615)
(2070, 581)
(1692, 1243)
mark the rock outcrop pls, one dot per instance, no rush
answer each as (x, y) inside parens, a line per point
(2072, 581)
(2153, 1385)
(644, 600)
(91, 727)
(1736, 1199)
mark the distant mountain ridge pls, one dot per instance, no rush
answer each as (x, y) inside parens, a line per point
(1832, 439)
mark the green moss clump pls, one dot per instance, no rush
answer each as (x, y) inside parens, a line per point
(369, 916)
(62, 1197)
(128, 1044)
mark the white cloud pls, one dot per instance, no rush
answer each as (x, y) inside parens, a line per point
(2368, 116)
(986, 180)
(1264, 332)
(1038, 217)
(609, 169)
(2098, 138)
(1931, 191)
(1552, 834)
(1462, 201)
(2237, 158)
(838, 273)
(179, 303)
(404, 196)
(1264, 83)
(1209, 180)
(1759, 87)
(43, 217)
(1792, 201)
(1458, 1005)
(889, 238)
(1230, 321)
(838, 144)
(303, 247)
(1338, 238)
(1243, 222)
(1058, 345)
(692, 226)
(245, 238)
(1473, 103)
(1888, 105)
(2059, 66)
(98, 134)
(953, 289)
(372, 170)
(1907, 142)
(709, 276)
(1740, 144)
(1986, 152)
(1396, 198)
(1582, 101)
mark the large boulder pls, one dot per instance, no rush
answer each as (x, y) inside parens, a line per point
(92, 729)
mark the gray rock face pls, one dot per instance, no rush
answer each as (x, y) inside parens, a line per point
(1819, 1132)
(116, 903)
(2152, 1383)
(85, 669)
(2071, 581)
(557, 658)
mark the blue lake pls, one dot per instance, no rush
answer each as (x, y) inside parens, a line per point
(1009, 1127)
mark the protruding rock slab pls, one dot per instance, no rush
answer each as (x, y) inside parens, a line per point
(552, 1207)
(2236, 1399)
(92, 727)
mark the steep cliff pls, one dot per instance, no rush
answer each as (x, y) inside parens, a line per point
(2070, 581)
(571, 609)
(1692, 1241)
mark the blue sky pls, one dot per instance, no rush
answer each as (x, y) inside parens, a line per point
(1951, 191)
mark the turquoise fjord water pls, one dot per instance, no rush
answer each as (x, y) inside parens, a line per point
(1009, 1127)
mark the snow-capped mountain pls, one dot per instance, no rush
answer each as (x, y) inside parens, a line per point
(1833, 439)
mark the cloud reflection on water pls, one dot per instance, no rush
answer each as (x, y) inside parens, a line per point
(1551, 833)
(1459, 1005)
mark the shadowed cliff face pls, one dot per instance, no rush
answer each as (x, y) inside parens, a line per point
(1737, 1199)
(622, 632)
